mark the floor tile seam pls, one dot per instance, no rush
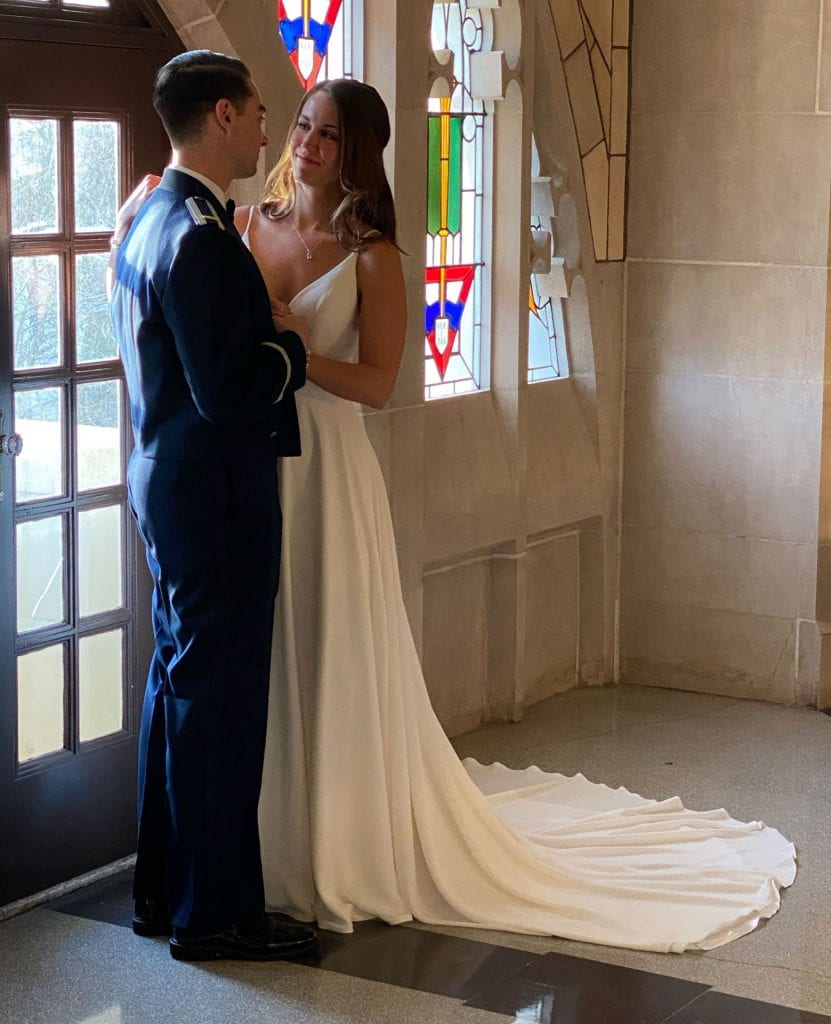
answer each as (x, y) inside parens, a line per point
(686, 1006)
(768, 967)
(507, 979)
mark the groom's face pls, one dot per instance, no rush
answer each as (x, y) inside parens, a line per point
(249, 134)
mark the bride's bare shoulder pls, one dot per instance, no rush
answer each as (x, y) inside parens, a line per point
(378, 253)
(241, 216)
(379, 268)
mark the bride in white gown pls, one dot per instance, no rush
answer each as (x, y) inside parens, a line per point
(366, 812)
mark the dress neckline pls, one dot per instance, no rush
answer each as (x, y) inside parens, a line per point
(325, 274)
(246, 241)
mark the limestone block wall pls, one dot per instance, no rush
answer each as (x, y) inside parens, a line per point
(726, 283)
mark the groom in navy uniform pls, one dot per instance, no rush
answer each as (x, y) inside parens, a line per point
(211, 382)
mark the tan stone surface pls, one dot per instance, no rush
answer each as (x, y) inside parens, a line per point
(563, 474)
(808, 663)
(825, 63)
(566, 233)
(620, 23)
(603, 87)
(687, 647)
(758, 55)
(823, 605)
(738, 321)
(578, 327)
(722, 455)
(455, 644)
(184, 12)
(824, 682)
(596, 177)
(587, 29)
(506, 634)
(593, 640)
(552, 617)
(617, 207)
(705, 187)
(568, 24)
(825, 476)
(715, 571)
(808, 555)
(583, 100)
(467, 470)
(207, 35)
(620, 102)
(600, 18)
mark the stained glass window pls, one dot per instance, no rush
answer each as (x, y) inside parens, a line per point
(546, 333)
(546, 329)
(323, 38)
(455, 187)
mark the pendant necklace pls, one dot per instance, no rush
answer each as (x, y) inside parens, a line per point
(309, 252)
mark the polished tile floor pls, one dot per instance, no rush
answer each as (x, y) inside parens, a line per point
(75, 961)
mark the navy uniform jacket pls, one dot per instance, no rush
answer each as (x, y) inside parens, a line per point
(209, 376)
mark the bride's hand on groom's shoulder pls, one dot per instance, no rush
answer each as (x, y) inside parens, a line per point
(125, 217)
(132, 205)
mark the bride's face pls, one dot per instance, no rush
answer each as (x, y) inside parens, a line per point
(315, 143)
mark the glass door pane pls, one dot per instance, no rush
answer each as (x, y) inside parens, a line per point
(100, 569)
(101, 685)
(98, 434)
(41, 685)
(41, 573)
(36, 300)
(94, 338)
(39, 417)
(34, 176)
(96, 147)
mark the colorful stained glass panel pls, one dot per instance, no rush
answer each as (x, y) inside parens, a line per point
(455, 193)
(318, 38)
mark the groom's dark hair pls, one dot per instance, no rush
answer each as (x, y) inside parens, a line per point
(190, 85)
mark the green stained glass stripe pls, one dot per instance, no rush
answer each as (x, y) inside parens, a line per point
(434, 212)
(433, 175)
(454, 220)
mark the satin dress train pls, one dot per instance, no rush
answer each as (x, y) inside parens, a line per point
(366, 811)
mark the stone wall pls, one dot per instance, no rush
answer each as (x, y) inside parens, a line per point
(725, 312)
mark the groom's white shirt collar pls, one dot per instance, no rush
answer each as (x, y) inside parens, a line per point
(212, 185)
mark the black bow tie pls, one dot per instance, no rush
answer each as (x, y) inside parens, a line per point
(230, 206)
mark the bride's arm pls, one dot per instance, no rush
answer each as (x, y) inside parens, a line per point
(382, 321)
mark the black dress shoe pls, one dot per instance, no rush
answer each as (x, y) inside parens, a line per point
(151, 918)
(264, 938)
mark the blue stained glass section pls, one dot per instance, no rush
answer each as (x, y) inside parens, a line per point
(452, 310)
(291, 31)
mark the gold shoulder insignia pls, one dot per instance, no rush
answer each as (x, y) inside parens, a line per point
(201, 211)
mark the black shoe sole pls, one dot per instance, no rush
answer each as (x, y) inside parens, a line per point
(180, 951)
(151, 929)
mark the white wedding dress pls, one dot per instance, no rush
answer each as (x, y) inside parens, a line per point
(366, 811)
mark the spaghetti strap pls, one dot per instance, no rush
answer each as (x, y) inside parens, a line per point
(248, 225)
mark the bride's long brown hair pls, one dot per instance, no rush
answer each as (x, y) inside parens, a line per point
(367, 210)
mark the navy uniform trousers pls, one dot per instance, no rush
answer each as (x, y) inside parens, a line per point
(203, 722)
(211, 387)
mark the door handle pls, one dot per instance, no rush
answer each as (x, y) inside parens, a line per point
(11, 445)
